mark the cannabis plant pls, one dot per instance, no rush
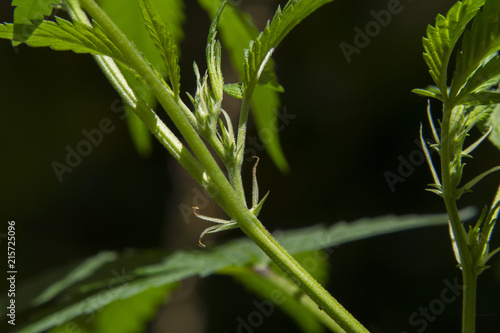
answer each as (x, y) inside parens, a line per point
(210, 143)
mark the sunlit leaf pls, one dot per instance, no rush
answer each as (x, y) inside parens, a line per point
(27, 16)
(479, 42)
(63, 35)
(442, 37)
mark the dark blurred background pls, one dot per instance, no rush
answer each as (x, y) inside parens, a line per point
(353, 123)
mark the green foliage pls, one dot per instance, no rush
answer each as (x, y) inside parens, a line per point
(111, 283)
(466, 103)
(27, 16)
(237, 31)
(164, 41)
(132, 23)
(129, 315)
(478, 43)
(260, 51)
(258, 61)
(108, 277)
(63, 35)
(442, 38)
(484, 78)
(493, 122)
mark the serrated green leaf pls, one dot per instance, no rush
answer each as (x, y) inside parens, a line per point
(213, 52)
(282, 23)
(482, 98)
(441, 39)
(64, 35)
(164, 41)
(133, 273)
(27, 16)
(234, 89)
(485, 77)
(479, 42)
(258, 59)
(427, 93)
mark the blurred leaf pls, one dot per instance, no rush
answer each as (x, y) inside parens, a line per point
(127, 16)
(274, 292)
(27, 16)
(234, 89)
(67, 36)
(140, 134)
(129, 315)
(132, 273)
(314, 262)
(84, 270)
(267, 101)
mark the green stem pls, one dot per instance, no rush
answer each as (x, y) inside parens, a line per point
(234, 170)
(235, 207)
(468, 270)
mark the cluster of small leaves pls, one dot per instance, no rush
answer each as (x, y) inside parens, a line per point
(469, 101)
(207, 101)
(472, 92)
(477, 71)
(90, 287)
